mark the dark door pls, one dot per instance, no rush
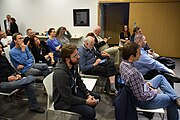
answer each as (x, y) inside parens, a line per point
(113, 17)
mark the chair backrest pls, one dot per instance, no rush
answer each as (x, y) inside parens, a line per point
(48, 84)
(125, 108)
(6, 50)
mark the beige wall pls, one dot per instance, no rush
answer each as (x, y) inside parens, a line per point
(160, 22)
(133, 1)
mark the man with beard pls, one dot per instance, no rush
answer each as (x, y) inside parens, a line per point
(69, 91)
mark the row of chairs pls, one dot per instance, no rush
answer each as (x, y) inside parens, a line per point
(49, 88)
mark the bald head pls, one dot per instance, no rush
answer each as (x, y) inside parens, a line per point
(97, 30)
(89, 42)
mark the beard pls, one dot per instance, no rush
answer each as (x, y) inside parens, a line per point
(74, 63)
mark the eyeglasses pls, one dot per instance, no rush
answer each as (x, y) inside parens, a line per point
(20, 38)
(75, 56)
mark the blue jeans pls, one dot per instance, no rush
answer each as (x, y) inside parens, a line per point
(38, 69)
(24, 83)
(164, 100)
(87, 112)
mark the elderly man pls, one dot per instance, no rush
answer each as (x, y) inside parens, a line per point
(93, 63)
(150, 67)
(102, 45)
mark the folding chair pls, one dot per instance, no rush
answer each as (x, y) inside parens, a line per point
(48, 83)
(11, 102)
(160, 111)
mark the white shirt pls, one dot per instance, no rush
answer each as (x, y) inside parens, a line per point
(8, 25)
(7, 40)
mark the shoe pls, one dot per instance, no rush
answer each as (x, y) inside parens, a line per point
(178, 102)
(112, 92)
(38, 110)
(172, 77)
(103, 91)
(148, 115)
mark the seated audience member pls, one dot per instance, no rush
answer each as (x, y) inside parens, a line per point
(54, 44)
(63, 35)
(146, 92)
(150, 67)
(11, 80)
(40, 51)
(30, 34)
(102, 52)
(125, 34)
(23, 60)
(6, 40)
(102, 45)
(70, 93)
(93, 63)
(13, 26)
(137, 30)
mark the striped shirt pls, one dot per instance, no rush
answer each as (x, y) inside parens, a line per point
(135, 81)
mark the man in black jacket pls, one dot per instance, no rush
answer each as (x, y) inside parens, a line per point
(11, 80)
(7, 24)
(69, 91)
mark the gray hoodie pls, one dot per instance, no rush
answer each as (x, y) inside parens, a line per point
(64, 87)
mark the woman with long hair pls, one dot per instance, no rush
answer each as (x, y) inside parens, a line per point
(63, 35)
(40, 51)
(125, 34)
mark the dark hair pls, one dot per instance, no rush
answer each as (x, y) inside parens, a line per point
(31, 41)
(13, 19)
(67, 50)
(136, 29)
(123, 28)
(15, 35)
(50, 30)
(28, 30)
(90, 34)
(129, 48)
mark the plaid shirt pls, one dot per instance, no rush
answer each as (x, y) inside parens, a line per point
(135, 81)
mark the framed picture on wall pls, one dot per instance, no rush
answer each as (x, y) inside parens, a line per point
(81, 17)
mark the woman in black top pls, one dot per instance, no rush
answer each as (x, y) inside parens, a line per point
(13, 27)
(125, 34)
(40, 51)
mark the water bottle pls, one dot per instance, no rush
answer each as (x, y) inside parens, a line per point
(134, 24)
